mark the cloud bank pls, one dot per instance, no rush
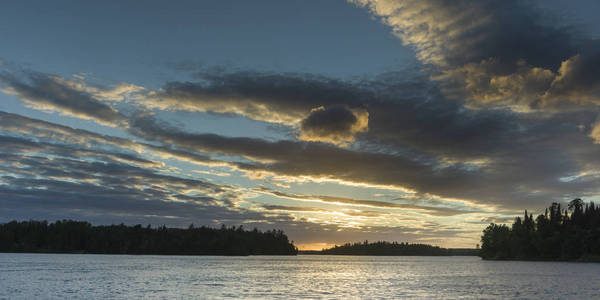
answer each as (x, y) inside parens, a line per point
(502, 53)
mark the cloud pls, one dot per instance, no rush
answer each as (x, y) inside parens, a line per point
(595, 132)
(75, 181)
(578, 79)
(393, 108)
(417, 140)
(428, 210)
(47, 131)
(524, 164)
(47, 177)
(303, 209)
(49, 92)
(337, 124)
(55, 178)
(272, 97)
(505, 53)
(319, 160)
(292, 208)
(467, 31)
(400, 108)
(18, 144)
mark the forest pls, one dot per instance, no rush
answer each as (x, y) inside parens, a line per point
(568, 234)
(69, 236)
(387, 248)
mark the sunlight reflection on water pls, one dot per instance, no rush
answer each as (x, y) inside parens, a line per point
(59, 276)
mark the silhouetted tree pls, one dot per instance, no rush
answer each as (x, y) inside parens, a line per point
(386, 248)
(554, 235)
(69, 236)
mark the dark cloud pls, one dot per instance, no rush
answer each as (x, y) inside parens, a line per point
(69, 137)
(533, 158)
(271, 97)
(50, 92)
(578, 78)
(294, 158)
(467, 31)
(79, 187)
(497, 53)
(48, 176)
(336, 124)
(44, 199)
(399, 108)
(56, 179)
(335, 120)
(403, 113)
(416, 139)
(104, 191)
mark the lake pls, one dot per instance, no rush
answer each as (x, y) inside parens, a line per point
(73, 276)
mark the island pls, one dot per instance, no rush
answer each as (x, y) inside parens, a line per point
(70, 236)
(560, 234)
(383, 248)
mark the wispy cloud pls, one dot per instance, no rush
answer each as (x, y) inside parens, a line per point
(48, 92)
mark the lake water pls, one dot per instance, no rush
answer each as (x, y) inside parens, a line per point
(71, 276)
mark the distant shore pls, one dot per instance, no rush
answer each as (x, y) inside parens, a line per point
(453, 252)
(391, 249)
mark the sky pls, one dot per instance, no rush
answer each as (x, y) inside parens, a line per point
(335, 121)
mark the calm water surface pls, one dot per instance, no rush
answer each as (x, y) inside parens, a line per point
(69, 276)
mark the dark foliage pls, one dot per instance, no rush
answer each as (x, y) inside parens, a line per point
(558, 234)
(386, 248)
(81, 237)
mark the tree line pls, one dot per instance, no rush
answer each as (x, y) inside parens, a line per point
(70, 236)
(571, 233)
(387, 248)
